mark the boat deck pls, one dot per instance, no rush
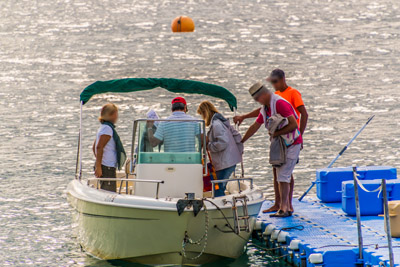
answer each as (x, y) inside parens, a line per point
(325, 229)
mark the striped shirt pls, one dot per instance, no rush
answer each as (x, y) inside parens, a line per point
(178, 136)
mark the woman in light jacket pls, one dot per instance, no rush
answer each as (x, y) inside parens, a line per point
(223, 143)
(107, 148)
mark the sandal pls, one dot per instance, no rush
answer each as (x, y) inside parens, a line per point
(281, 214)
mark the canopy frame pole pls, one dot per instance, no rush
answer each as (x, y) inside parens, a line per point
(358, 213)
(387, 222)
(77, 156)
(80, 141)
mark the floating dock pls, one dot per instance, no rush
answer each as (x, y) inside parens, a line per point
(321, 234)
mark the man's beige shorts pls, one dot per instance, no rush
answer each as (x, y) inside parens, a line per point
(284, 173)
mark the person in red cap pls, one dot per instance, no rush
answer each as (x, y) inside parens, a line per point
(177, 136)
(179, 100)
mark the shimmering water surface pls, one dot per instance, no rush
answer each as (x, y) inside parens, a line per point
(342, 55)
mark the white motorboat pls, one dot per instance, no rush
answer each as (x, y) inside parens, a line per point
(159, 213)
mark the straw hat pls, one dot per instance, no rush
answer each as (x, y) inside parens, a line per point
(256, 89)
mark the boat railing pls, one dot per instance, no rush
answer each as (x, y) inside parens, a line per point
(231, 180)
(158, 182)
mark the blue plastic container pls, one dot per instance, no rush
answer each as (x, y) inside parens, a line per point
(371, 203)
(329, 180)
(395, 189)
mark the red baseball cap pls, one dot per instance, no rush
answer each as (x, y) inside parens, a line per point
(179, 100)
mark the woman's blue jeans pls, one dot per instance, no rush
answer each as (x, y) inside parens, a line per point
(222, 175)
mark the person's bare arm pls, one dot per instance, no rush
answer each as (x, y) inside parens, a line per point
(150, 133)
(251, 131)
(94, 148)
(201, 136)
(303, 118)
(292, 125)
(240, 118)
(103, 140)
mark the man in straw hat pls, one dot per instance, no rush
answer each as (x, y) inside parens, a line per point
(273, 104)
(277, 79)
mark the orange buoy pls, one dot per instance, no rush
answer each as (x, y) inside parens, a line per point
(182, 24)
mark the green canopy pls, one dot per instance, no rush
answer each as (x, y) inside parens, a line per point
(172, 85)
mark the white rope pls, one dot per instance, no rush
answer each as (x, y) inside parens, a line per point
(379, 189)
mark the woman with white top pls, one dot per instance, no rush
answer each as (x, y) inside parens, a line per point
(108, 148)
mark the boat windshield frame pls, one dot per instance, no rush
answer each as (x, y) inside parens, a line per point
(135, 128)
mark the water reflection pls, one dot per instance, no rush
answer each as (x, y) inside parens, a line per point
(342, 56)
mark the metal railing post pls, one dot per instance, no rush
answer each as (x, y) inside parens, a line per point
(158, 189)
(241, 162)
(387, 222)
(359, 230)
(133, 145)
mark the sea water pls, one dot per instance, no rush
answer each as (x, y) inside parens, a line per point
(343, 56)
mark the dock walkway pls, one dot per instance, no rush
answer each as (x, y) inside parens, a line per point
(324, 230)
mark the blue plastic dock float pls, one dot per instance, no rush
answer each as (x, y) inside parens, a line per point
(324, 234)
(329, 180)
(371, 203)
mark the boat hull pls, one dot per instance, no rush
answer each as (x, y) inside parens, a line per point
(109, 230)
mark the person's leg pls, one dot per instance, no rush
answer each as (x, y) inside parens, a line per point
(108, 172)
(223, 175)
(284, 189)
(291, 194)
(294, 154)
(274, 207)
(285, 177)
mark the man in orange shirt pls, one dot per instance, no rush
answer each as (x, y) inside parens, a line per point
(278, 81)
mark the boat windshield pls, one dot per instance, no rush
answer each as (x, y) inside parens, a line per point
(169, 141)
